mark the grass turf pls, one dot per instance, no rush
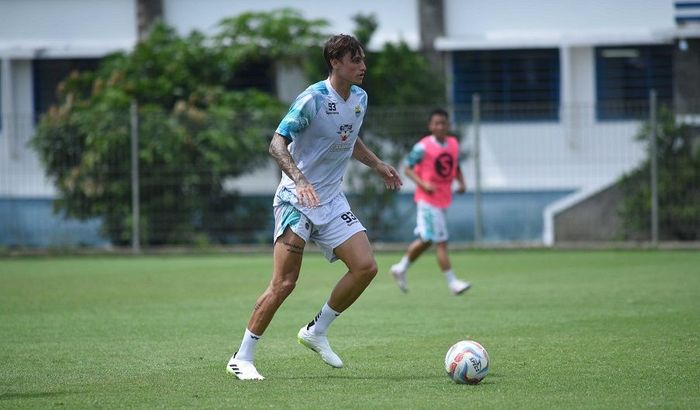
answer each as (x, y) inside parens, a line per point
(585, 329)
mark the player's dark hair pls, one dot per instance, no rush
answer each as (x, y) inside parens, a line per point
(337, 46)
(438, 111)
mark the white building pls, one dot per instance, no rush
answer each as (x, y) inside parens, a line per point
(556, 77)
(559, 75)
(40, 40)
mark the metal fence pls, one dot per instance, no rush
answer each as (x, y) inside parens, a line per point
(530, 179)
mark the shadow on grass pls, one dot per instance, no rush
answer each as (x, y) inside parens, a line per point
(34, 395)
(326, 376)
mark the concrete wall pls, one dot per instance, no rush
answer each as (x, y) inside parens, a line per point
(593, 219)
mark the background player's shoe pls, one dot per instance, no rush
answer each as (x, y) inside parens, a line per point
(399, 276)
(242, 369)
(457, 287)
(319, 344)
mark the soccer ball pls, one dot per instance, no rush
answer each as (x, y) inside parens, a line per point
(467, 362)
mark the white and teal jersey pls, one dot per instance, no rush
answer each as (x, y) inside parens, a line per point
(416, 155)
(323, 129)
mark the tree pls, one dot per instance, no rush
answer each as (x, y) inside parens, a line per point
(678, 185)
(196, 131)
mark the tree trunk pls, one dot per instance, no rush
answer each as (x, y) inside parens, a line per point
(432, 26)
(148, 12)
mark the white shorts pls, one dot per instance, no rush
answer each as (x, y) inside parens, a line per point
(431, 223)
(328, 236)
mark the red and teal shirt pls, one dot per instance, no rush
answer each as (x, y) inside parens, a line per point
(436, 163)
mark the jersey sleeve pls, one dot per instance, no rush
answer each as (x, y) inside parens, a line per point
(416, 155)
(363, 99)
(299, 116)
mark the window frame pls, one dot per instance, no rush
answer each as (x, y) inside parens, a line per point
(624, 76)
(40, 90)
(509, 93)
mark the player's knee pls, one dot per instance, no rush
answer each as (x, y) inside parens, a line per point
(368, 270)
(288, 286)
(283, 287)
(373, 269)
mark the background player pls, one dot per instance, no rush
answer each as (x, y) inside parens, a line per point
(433, 164)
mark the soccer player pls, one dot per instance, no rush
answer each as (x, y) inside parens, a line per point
(313, 145)
(433, 164)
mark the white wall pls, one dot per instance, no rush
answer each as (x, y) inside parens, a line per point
(32, 29)
(75, 28)
(583, 75)
(509, 19)
(398, 19)
(541, 156)
(91, 27)
(21, 174)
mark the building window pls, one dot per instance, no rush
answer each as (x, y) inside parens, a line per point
(254, 74)
(514, 85)
(48, 74)
(624, 77)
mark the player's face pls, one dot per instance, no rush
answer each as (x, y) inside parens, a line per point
(438, 125)
(350, 68)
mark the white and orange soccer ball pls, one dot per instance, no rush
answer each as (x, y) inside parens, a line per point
(467, 362)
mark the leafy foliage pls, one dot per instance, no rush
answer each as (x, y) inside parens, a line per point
(678, 185)
(280, 35)
(195, 130)
(198, 128)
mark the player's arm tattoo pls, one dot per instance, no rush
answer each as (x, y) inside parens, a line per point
(363, 154)
(278, 150)
(292, 248)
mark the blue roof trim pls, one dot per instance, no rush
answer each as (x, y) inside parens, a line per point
(687, 19)
(687, 5)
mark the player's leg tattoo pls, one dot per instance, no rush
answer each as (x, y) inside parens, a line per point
(292, 248)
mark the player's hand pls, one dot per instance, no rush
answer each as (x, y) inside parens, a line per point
(391, 177)
(428, 187)
(461, 189)
(306, 194)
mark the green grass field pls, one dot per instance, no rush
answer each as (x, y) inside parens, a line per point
(580, 329)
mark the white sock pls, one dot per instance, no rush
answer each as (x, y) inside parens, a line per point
(404, 263)
(321, 322)
(247, 350)
(449, 275)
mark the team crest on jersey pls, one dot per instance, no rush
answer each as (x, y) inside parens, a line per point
(358, 110)
(345, 131)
